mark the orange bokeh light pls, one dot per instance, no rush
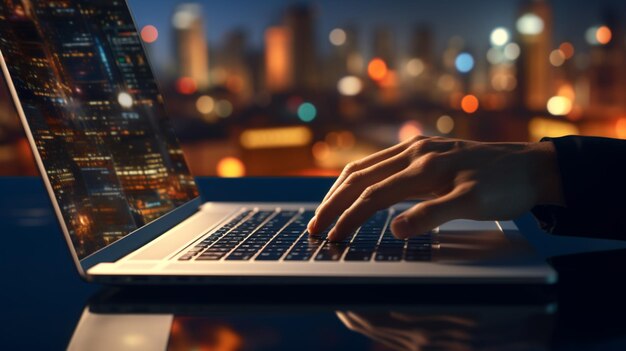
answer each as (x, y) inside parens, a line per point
(469, 103)
(604, 35)
(149, 34)
(186, 85)
(231, 167)
(620, 128)
(377, 69)
(409, 130)
(320, 150)
(567, 49)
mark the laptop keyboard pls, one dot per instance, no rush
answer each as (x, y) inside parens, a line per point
(282, 235)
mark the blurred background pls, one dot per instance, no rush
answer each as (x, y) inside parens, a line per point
(280, 87)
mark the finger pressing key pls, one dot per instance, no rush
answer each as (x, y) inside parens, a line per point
(350, 190)
(367, 162)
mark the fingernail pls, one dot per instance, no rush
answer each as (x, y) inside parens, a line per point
(331, 235)
(400, 227)
(311, 225)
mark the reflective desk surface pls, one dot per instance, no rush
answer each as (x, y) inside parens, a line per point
(45, 304)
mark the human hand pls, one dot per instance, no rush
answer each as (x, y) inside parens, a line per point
(412, 332)
(457, 179)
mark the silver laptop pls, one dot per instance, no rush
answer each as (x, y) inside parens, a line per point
(129, 209)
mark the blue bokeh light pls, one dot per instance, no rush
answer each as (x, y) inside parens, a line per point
(464, 62)
(307, 112)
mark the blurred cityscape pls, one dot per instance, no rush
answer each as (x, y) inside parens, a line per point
(298, 104)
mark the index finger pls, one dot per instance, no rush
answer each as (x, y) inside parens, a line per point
(376, 197)
(367, 162)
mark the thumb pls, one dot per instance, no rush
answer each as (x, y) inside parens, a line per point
(430, 214)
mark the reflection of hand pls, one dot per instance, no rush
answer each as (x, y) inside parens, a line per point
(460, 179)
(400, 331)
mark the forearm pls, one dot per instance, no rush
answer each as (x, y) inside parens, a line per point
(545, 174)
(592, 174)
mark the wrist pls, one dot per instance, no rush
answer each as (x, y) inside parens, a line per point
(545, 174)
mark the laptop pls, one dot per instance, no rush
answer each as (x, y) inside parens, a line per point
(130, 210)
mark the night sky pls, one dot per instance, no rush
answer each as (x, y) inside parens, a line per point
(473, 20)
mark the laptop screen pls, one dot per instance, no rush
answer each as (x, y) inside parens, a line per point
(96, 115)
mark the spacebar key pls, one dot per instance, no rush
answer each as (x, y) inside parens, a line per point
(358, 256)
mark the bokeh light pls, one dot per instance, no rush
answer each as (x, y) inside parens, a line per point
(511, 51)
(346, 139)
(184, 18)
(499, 36)
(320, 150)
(149, 34)
(530, 24)
(125, 100)
(503, 81)
(464, 62)
(349, 86)
(567, 90)
(445, 124)
(604, 35)
(377, 69)
(590, 35)
(559, 105)
(469, 103)
(446, 82)
(186, 85)
(495, 56)
(540, 127)
(223, 108)
(307, 112)
(568, 50)
(390, 80)
(414, 67)
(230, 167)
(557, 58)
(337, 37)
(408, 130)
(205, 104)
(276, 137)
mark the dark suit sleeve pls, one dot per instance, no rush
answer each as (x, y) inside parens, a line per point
(593, 177)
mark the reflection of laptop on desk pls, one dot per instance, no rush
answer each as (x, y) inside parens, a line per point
(127, 205)
(215, 320)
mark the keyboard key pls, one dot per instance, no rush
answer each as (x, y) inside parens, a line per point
(425, 257)
(388, 257)
(206, 242)
(210, 257)
(257, 238)
(331, 251)
(358, 255)
(270, 256)
(284, 240)
(297, 256)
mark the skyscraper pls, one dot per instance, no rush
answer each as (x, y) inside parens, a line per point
(384, 46)
(423, 45)
(191, 44)
(233, 59)
(278, 59)
(534, 29)
(344, 59)
(299, 19)
(607, 74)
